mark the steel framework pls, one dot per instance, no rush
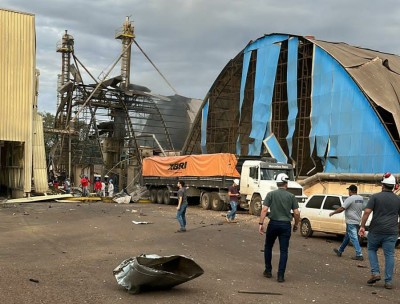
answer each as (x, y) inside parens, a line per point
(105, 122)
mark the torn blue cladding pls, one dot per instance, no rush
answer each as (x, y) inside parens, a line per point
(268, 50)
(275, 149)
(204, 116)
(246, 62)
(292, 90)
(344, 125)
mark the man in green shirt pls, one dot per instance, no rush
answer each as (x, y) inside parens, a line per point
(281, 203)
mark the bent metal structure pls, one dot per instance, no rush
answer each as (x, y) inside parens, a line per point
(325, 107)
(106, 126)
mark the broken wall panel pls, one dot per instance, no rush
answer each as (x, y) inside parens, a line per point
(204, 117)
(377, 74)
(39, 158)
(292, 90)
(315, 118)
(344, 125)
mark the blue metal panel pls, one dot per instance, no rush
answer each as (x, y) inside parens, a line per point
(204, 117)
(245, 69)
(344, 125)
(275, 149)
(267, 60)
(292, 90)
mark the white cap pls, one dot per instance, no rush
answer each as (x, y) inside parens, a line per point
(388, 179)
(236, 181)
(282, 178)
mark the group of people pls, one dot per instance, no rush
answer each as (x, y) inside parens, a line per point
(65, 185)
(383, 229)
(99, 187)
(233, 193)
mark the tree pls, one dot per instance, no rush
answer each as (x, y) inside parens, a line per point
(50, 138)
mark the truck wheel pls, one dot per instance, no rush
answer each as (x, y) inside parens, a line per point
(160, 196)
(167, 197)
(216, 203)
(205, 201)
(256, 205)
(305, 228)
(153, 196)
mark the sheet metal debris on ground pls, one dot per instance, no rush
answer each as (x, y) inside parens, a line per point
(149, 272)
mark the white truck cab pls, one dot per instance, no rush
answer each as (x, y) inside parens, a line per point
(257, 179)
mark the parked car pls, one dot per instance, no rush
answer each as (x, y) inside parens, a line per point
(315, 215)
(315, 211)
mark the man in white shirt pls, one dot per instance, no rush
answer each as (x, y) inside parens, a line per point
(110, 188)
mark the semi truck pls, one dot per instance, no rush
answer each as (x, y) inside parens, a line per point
(208, 176)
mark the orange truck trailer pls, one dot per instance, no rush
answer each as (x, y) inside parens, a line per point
(208, 176)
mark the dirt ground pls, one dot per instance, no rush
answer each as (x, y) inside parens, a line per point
(66, 252)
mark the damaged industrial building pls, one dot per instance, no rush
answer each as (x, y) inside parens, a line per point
(328, 108)
(106, 126)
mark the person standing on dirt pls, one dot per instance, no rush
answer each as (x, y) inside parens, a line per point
(103, 189)
(85, 186)
(352, 207)
(67, 186)
(182, 206)
(233, 192)
(383, 229)
(280, 203)
(97, 187)
(110, 188)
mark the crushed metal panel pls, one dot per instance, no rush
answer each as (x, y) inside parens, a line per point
(149, 272)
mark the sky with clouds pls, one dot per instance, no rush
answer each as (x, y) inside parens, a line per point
(191, 41)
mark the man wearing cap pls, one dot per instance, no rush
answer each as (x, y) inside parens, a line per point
(281, 202)
(233, 192)
(383, 229)
(352, 207)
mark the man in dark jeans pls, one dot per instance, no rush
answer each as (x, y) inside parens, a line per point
(383, 229)
(280, 202)
(182, 206)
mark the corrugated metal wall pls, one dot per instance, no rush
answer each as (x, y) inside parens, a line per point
(39, 159)
(17, 84)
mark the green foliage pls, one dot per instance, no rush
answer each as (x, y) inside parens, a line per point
(49, 137)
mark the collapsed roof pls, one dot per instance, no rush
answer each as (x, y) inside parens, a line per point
(323, 106)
